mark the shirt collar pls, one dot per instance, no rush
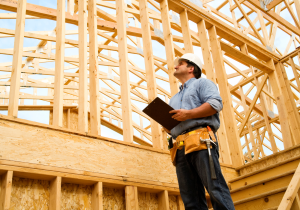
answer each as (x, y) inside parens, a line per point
(186, 83)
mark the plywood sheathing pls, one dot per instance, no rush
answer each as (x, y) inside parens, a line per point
(147, 201)
(29, 194)
(41, 146)
(74, 196)
(38, 145)
(34, 194)
(113, 199)
(173, 202)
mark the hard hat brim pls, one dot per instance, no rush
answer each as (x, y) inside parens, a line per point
(177, 60)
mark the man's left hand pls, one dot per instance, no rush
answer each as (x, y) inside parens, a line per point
(180, 114)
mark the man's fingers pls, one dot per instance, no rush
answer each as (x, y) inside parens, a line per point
(175, 116)
(173, 111)
(178, 119)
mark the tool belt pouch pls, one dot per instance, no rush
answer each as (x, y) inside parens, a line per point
(173, 152)
(193, 143)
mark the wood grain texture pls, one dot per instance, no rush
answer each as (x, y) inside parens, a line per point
(83, 80)
(268, 161)
(59, 63)
(291, 192)
(150, 71)
(114, 199)
(292, 112)
(93, 69)
(5, 193)
(180, 205)
(282, 110)
(163, 200)
(231, 128)
(55, 194)
(30, 194)
(186, 33)
(168, 38)
(97, 196)
(124, 71)
(59, 149)
(296, 203)
(17, 60)
(261, 203)
(147, 201)
(131, 198)
(74, 196)
(173, 202)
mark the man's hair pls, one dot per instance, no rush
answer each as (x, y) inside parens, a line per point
(197, 71)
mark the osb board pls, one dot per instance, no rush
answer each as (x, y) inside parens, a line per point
(270, 160)
(26, 143)
(173, 202)
(76, 197)
(229, 173)
(149, 201)
(113, 199)
(29, 194)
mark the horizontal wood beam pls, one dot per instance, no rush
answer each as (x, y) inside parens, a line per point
(246, 81)
(30, 170)
(244, 58)
(292, 54)
(273, 3)
(37, 107)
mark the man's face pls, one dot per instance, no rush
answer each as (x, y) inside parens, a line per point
(181, 70)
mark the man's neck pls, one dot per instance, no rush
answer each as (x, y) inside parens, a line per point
(184, 80)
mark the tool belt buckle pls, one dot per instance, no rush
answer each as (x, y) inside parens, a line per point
(180, 144)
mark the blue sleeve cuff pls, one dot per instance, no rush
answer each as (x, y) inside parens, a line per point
(215, 104)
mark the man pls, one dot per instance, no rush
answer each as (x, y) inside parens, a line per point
(197, 105)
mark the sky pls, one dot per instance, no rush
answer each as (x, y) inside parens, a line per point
(158, 50)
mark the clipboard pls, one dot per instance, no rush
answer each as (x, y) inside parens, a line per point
(159, 110)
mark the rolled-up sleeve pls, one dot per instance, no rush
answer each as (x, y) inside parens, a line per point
(215, 104)
(209, 93)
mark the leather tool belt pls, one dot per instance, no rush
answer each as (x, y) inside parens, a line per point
(191, 141)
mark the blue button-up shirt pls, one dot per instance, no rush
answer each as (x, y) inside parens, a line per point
(193, 94)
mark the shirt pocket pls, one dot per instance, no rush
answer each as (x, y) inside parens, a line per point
(192, 100)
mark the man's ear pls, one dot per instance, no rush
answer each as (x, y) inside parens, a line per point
(191, 69)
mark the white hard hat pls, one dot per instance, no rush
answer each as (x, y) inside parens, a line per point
(190, 57)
